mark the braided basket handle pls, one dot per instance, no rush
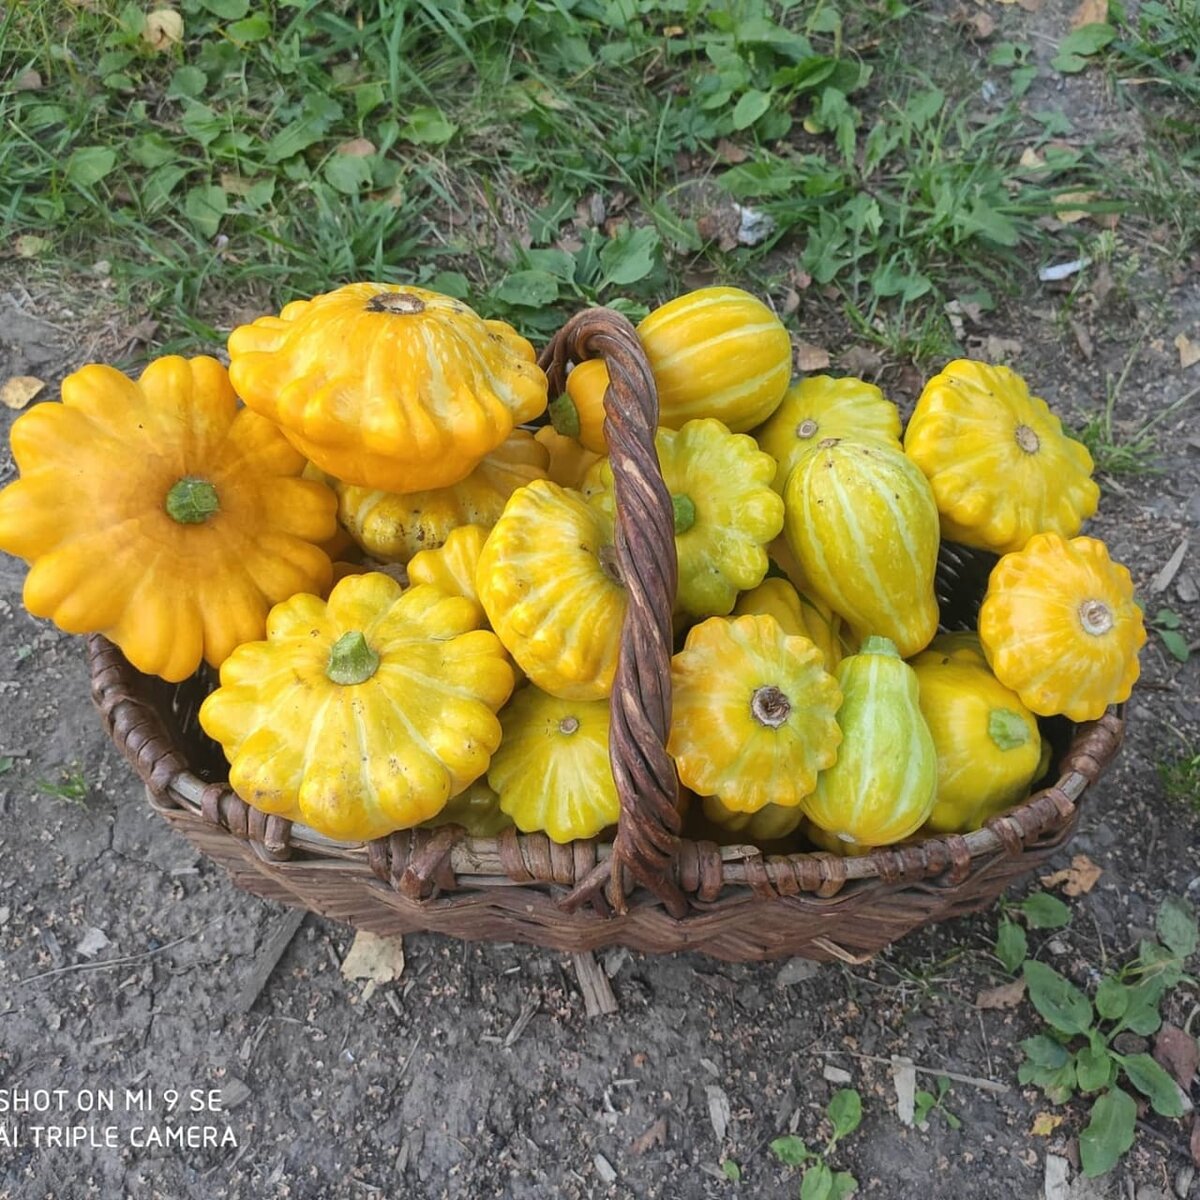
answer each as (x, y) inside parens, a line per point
(648, 830)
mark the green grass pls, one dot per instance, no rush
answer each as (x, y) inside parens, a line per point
(1181, 779)
(283, 148)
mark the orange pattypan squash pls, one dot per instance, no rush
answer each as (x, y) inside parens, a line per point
(1060, 627)
(392, 388)
(362, 715)
(579, 411)
(161, 514)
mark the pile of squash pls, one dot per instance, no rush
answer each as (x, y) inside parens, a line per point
(413, 599)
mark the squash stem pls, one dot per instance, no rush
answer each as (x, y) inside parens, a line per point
(351, 660)
(568, 725)
(564, 416)
(400, 304)
(685, 513)
(770, 707)
(191, 501)
(1006, 729)
(1096, 617)
(879, 645)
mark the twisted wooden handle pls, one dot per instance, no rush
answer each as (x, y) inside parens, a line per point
(648, 831)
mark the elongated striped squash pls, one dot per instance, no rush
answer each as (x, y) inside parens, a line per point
(884, 783)
(862, 523)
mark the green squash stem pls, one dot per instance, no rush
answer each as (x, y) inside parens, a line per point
(351, 660)
(191, 501)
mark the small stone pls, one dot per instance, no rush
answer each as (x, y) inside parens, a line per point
(1183, 1181)
(234, 1092)
(604, 1169)
(836, 1075)
(796, 970)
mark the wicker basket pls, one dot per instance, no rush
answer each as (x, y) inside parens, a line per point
(650, 889)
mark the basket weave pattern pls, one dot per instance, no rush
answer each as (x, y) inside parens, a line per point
(650, 889)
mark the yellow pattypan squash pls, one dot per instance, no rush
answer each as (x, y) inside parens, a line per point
(389, 387)
(452, 565)
(822, 839)
(798, 616)
(753, 713)
(987, 742)
(864, 528)
(477, 810)
(820, 407)
(392, 527)
(552, 772)
(548, 580)
(1060, 627)
(1000, 465)
(161, 514)
(725, 511)
(962, 645)
(771, 823)
(883, 786)
(569, 461)
(362, 715)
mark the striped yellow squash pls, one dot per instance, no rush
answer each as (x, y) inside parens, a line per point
(717, 352)
(884, 783)
(820, 407)
(861, 521)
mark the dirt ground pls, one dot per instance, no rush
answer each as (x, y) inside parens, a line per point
(123, 954)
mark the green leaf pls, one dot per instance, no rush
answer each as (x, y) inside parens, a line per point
(732, 1171)
(1044, 1051)
(1087, 40)
(750, 107)
(89, 164)
(844, 1184)
(1044, 911)
(1176, 926)
(790, 1150)
(1094, 1068)
(1109, 1133)
(845, 1111)
(1168, 618)
(6, 763)
(205, 205)
(1176, 645)
(630, 257)
(189, 82)
(1112, 998)
(227, 10)
(449, 283)
(1021, 80)
(817, 1183)
(1057, 999)
(367, 98)
(529, 289)
(152, 150)
(348, 173)
(428, 126)
(1068, 64)
(253, 29)
(1141, 1012)
(985, 221)
(1059, 1085)
(160, 183)
(924, 106)
(1012, 945)
(923, 1103)
(1153, 1082)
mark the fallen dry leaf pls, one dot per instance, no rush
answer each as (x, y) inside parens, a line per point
(1194, 1144)
(862, 362)
(983, 23)
(29, 245)
(1083, 339)
(1031, 160)
(1090, 12)
(656, 1135)
(729, 152)
(904, 1076)
(1189, 351)
(356, 148)
(811, 358)
(1078, 879)
(997, 349)
(379, 959)
(1007, 995)
(163, 28)
(791, 302)
(718, 1110)
(28, 80)
(1065, 206)
(19, 390)
(1044, 1124)
(1102, 284)
(1178, 1053)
